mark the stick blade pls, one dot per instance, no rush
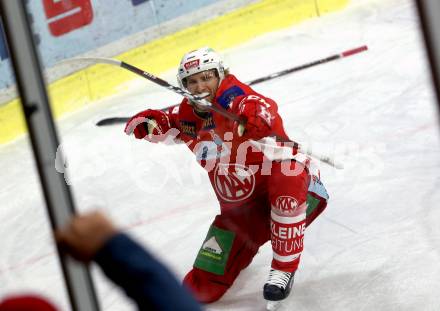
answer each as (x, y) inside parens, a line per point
(112, 121)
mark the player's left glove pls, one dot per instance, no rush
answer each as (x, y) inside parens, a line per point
(254, 110)
(152, 125)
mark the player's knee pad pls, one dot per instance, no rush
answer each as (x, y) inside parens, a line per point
(208, 279)
(220, 259)
(214, 254)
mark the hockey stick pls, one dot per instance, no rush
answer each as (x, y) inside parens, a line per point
(117, 120)
(311, 64)
(144, 74)
(112, 120)
(274, 153)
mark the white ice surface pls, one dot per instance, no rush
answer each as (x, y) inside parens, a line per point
(376, 247)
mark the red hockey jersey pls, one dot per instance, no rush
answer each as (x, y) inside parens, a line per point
(211, 138)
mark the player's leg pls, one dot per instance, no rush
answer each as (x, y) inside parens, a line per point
(230, 245)
(288, 186)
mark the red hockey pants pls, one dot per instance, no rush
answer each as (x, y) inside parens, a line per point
(237, 233)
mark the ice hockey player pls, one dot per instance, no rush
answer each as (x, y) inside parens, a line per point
(260, 199)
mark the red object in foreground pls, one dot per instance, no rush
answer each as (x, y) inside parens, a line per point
(26, 303)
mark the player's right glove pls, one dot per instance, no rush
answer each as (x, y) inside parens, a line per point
(258, 119)
(150, 124)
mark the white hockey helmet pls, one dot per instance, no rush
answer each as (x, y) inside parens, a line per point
(200, 60)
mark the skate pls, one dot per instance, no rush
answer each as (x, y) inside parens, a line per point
(277, 288)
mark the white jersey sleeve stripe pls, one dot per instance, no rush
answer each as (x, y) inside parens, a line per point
(288, 258)
(287, 219)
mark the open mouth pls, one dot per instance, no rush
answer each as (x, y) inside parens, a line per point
(204, 95)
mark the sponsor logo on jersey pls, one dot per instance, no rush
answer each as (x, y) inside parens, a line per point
(233, 182)
(287, 240)
(188, 128)
(214, 253)
(191, 64)
(286, 204)
(208, 123)
(287, 232)
(212, 246)
(211, 150)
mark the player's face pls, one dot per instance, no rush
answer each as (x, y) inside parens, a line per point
(203, 82)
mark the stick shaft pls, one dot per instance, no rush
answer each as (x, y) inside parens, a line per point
(207, 105)
(311, 64)
(204, 103)
(116, 120)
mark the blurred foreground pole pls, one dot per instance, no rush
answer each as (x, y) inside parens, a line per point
(429, 12)
(44, 140)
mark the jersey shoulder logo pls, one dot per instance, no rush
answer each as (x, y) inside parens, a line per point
(229, 95)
